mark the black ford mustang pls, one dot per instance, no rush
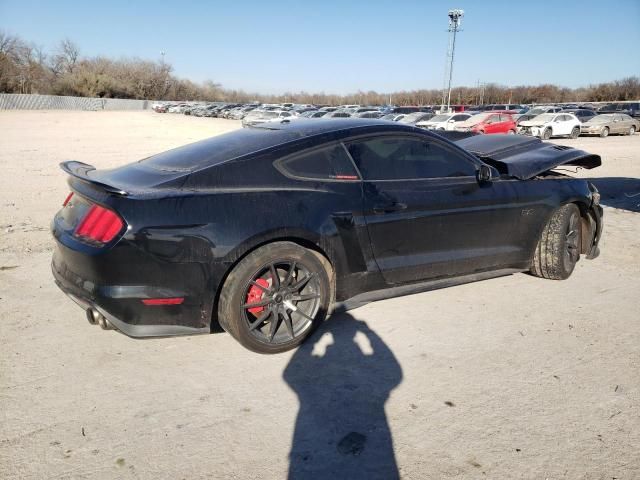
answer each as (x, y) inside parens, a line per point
(264, 230)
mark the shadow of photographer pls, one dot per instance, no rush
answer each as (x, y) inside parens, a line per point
(343, 376)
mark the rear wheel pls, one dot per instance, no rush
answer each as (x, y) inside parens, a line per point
(558, 248)
(604, 132)
(575, 133)
(511, 132)
(546, 135)
(632, 129)
(275, 297)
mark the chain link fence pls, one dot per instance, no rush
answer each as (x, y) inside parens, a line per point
(15, 101)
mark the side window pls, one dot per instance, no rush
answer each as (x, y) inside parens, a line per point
(327, 163)
(459, 118)
(493, 119)
(400, 158)
(285, 114)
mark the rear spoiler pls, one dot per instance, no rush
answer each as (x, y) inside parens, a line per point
(81, 171)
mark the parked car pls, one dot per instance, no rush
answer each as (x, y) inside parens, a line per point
(257, 117)
(629, 108)
(160, 107)
(394, 117)
(368, 114)
(610, 123)
(535, 111)
(493, 122)
(409, 109)
(502, 107)
(445, 121)
(337, 114)
(550, 125)
(582, 114)
(264, 230)
(318, 114)
(413, 118)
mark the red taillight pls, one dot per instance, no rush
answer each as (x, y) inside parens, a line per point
(163, 301)
(66, 200)
(99, 225)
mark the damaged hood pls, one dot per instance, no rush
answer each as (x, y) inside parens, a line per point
(525, 157)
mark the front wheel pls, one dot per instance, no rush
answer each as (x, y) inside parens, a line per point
(632, 130)
(558, 248)
(275, 297)
(511, 132)
(546, 135)
(575, 133)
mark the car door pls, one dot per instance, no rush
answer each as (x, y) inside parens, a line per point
(619, 125)
(562, 125)
(492, 124)
(450, 125)
(427, 214)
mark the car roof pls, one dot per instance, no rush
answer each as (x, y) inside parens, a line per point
(247, 142)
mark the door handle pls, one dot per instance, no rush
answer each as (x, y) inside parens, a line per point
(389, 207)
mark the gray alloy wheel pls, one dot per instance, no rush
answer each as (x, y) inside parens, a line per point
(632, 130)
(275, 297)
(575, 133)
(604, 132)
(546, 135)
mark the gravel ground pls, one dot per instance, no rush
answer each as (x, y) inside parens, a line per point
(514, 377)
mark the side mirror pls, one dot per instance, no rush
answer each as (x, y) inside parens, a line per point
(484, 173)
(451, 121)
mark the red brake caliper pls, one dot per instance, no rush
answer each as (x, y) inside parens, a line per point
(256, 294)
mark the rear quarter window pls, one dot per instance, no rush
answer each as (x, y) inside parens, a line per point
(216, 150)
(328, 163)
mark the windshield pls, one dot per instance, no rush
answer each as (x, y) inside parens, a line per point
(440, 118)
(545, 117)
(601, 119)
(536, 111)
(479, 118)
(415, 117)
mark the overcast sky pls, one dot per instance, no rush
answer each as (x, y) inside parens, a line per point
(272, 46)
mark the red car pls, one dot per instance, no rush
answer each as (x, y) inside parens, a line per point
(489, 122)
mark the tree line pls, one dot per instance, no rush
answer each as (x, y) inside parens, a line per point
(28, 68)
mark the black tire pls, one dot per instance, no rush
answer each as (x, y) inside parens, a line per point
(604, 132)
(575, 133)
(297, 311)
(546, 135)
(558, 248)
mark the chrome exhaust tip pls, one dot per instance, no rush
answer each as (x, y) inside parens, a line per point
(92, 316)
(104, 323)
(96, 318)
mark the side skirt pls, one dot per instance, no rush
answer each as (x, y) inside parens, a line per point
(402, 290)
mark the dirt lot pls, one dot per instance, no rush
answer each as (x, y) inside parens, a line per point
(515, 377)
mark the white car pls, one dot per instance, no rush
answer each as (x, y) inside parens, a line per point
(257, 117)
(550, 125)
(445, 121)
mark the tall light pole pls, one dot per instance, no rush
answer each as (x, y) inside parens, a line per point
(455, 22)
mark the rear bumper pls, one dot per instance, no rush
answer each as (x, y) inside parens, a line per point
(122, 304)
